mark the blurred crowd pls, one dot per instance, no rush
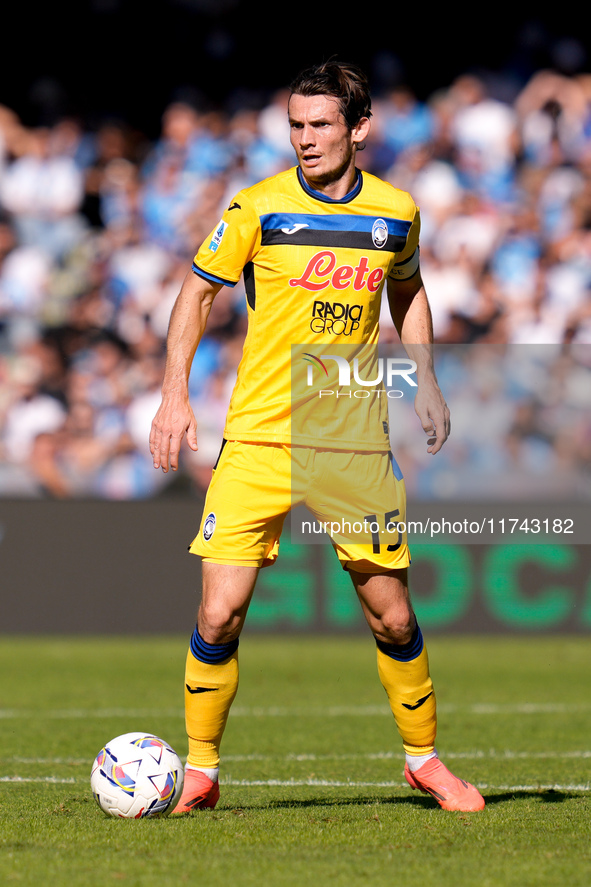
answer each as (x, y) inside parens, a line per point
(98, 227)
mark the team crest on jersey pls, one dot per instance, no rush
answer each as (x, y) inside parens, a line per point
(217, 236)
(379, 233)
(209, 526)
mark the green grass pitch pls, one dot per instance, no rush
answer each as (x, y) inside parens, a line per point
(312, 786)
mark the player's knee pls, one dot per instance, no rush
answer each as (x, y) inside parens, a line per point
(219, 623)
(396, 626)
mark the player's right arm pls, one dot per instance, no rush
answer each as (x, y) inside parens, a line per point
(175, 416)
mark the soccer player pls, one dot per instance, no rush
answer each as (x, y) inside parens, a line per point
(316, 245)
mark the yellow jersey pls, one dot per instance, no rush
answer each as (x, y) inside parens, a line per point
(314, 269)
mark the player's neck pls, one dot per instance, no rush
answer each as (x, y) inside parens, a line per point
(337, 187)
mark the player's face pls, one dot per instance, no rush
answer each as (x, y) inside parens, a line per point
(325, 146)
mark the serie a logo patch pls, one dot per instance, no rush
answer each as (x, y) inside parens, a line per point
(209, 526)
(217, 236)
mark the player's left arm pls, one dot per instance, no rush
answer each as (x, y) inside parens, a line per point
(411, 313)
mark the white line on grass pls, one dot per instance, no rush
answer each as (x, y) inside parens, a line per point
(53, 780)
(74, 714)
(394, 756)
(338, 711)
(491, 754)
(20, 759)
(335, 783)
(313, 783)
(334, 711)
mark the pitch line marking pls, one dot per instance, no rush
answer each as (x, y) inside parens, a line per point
(312, 783)
(336, 711)
(392, 755)
(52, 780)
(490, 755)
(335, 783)
(330, 711)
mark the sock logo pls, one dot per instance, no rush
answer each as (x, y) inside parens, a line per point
(417, 704)
(201, 689)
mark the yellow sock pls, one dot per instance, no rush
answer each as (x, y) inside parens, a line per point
(210, 688)
(404, 673)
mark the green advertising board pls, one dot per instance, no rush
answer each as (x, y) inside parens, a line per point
(105, 567)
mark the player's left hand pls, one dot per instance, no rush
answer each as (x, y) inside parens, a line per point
(173, 421)
(432, 410)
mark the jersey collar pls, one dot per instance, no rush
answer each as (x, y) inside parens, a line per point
(318, 195)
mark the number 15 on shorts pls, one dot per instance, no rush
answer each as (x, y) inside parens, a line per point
(389, 526)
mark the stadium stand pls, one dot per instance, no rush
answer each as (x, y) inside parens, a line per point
(98, 227)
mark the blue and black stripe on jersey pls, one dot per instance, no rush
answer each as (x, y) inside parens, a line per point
(333, 230)
(248, 281)
(212, 277)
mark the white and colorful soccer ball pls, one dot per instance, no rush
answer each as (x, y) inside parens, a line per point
(137, 775)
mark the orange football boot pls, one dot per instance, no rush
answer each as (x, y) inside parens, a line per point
(199, 793)
(451, 793)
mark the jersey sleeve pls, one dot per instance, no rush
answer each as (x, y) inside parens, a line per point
(406, 262)
(231, 245)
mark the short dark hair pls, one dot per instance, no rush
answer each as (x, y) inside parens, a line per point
(346, 82)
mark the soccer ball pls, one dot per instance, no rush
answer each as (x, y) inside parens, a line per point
(137, 775)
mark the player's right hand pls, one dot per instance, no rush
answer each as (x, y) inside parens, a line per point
(172, 422)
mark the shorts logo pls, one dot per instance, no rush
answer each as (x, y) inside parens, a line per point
(209, 526)
(217, 236)
(379, 233)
